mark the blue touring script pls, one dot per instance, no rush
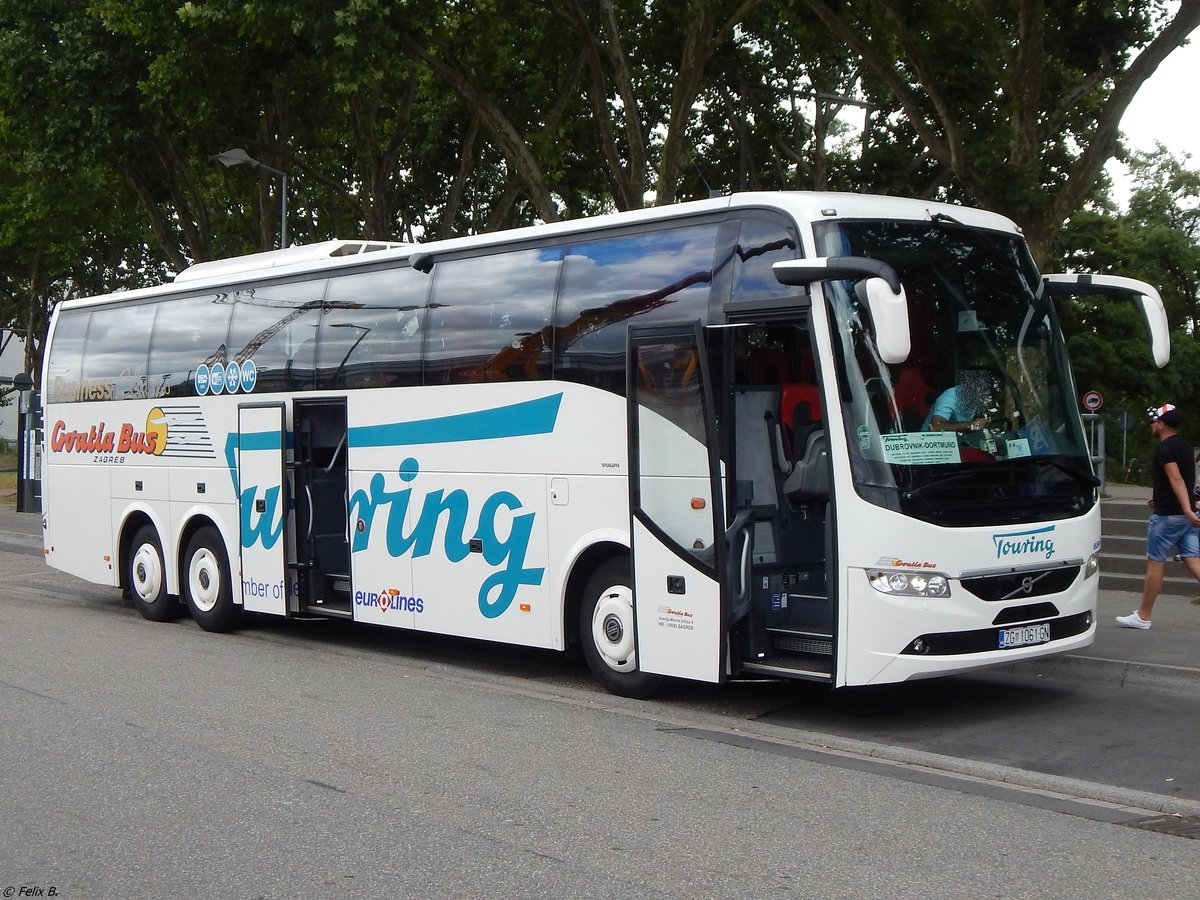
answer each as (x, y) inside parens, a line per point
(498, 591)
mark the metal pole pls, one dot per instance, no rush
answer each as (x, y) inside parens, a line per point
(283, 212)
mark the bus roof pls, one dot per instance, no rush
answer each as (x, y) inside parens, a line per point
(803, 206)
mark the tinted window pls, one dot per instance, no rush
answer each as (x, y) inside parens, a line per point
(188, 332)
(489, 318)
(662, 275)
(371, 329)
(275, 325)
(114, 362)
(761, 244)
(66, 357)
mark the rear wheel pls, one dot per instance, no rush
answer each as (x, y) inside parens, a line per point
(146, 577)
(606, 631)
(206, 585)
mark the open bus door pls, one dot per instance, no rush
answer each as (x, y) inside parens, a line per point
(262, 506)
(683, 586)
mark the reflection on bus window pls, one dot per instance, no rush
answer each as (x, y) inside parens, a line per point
(661, 275)
(490, 318)
(371, 330)
(275, 325)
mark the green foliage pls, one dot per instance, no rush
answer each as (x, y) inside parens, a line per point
(398, 119)
(1157, 240)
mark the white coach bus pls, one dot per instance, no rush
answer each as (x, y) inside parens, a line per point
(699, 441)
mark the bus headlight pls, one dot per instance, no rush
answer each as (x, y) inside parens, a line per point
(906, 584)
(1092, 566)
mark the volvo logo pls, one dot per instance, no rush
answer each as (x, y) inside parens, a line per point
(1026, 586)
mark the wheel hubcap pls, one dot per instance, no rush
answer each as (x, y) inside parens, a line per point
(204, 579)
(147, 573)
(612, 629)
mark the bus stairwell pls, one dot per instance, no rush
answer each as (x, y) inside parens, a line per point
(320, 477)
(782, 471)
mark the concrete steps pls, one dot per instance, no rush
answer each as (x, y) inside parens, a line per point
(1123, 551)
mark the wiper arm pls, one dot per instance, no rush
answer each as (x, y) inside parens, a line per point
(1074, 470)
(915, 493)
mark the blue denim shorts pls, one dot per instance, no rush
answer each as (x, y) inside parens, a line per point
(1168, 532)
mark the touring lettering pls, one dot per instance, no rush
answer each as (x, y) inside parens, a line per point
(450, 513)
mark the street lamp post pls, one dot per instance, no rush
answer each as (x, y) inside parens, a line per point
(238, 157)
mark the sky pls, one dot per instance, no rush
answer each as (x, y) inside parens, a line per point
(1164, 109)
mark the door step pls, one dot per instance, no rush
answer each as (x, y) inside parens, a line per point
(325, 611)
(804, 642)
(805, 668)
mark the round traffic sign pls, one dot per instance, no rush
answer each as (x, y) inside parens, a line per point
(1092, 401)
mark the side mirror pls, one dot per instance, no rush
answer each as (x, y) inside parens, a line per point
(1146, 296)
(889, 314)
(877, 285)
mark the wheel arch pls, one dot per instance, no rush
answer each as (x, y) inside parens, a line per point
(586, 563)
(194, 522)
(134, 519)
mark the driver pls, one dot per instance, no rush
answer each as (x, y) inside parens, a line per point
(964, 406)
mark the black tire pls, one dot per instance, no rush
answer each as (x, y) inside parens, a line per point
(606, 632)
(206, 584)
(146, 577)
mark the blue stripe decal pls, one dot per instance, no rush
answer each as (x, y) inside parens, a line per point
(515, 420)
(261, 440)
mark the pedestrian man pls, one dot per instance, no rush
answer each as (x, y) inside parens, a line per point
(1174, 522)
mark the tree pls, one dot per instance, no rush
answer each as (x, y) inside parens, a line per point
(1158, 240)
(1017, 103)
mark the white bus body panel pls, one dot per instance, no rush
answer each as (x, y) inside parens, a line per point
(79, 529)
(428, 478)
(262, 508)
(677, 634)
(876, 626)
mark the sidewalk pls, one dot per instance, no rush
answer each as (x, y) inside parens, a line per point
(1169, 650)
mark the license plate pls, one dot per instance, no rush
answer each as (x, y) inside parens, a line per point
(1025, 635)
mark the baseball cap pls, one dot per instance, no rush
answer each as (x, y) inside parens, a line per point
(1167, 414)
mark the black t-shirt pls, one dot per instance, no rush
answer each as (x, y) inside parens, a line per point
(1173, 449)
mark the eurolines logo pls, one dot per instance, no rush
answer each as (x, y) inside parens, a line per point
(1039, 541)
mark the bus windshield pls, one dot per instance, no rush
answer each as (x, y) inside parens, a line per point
(978, 426)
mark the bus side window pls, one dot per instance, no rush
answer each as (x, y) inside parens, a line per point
(663, 275)
(63, 370)
(761, 244)
(370, 330)
(490, 317)
(116, 352)
(275, 325)
(188, 332)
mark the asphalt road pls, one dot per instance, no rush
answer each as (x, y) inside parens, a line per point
(315, 759)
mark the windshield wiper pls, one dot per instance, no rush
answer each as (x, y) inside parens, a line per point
(1076, 471)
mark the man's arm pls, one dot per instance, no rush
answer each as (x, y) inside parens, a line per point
(1179, 489)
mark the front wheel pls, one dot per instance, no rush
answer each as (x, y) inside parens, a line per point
(206, 585)
(146, 577)
(606, 631)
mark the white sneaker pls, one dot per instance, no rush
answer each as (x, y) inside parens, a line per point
(1133, 620)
